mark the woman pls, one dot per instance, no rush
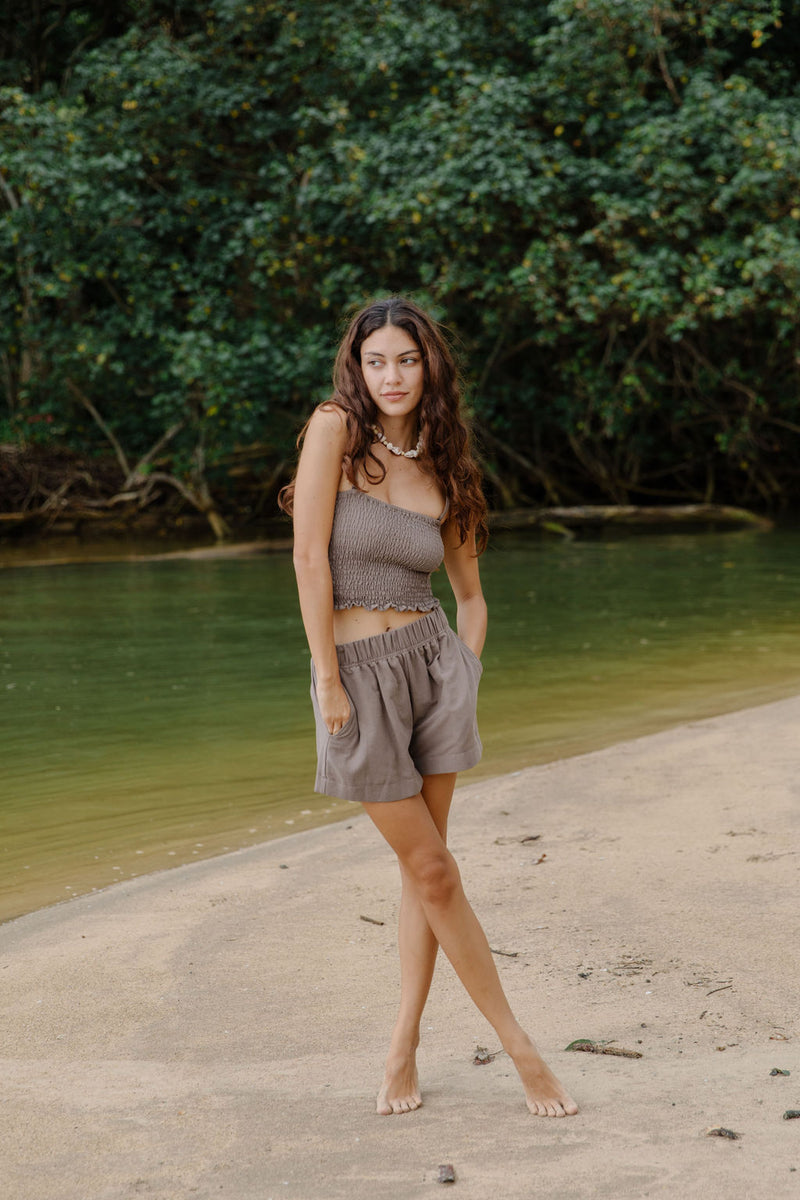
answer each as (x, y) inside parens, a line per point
(385, 489)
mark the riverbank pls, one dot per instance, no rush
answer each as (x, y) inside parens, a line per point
(189, 539)
(218, 1029)
(560, 522)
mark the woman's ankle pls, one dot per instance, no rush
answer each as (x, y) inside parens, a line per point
(518, 1043)
(405, 1038)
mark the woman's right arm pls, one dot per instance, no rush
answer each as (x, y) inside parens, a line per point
(316, 485)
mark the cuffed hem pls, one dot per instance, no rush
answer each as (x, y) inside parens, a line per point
(386, 792)
(446, 764)
(377, 793)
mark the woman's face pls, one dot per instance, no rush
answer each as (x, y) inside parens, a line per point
(391, 363)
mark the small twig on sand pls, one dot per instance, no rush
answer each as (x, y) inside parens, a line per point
(505, 953)
(601, 1048)
(517, 839)
(371, 920)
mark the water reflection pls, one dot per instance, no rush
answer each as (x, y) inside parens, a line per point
(157, 712)
(601, 640)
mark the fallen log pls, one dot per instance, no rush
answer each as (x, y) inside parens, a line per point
(596, 516)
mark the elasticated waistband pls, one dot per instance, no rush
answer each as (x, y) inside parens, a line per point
(396, 641)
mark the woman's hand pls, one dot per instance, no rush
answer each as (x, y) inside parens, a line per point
(333, 705)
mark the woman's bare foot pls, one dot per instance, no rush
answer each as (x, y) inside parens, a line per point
(544, 1094)
(400, 1088)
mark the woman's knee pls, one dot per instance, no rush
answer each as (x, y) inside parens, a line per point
(434, 875)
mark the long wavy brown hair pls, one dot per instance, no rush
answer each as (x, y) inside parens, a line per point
(446, 450)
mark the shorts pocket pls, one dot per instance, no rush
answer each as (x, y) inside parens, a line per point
(322, 729)
(338, 749)
(469, 654)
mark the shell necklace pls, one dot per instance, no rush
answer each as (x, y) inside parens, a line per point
(396, 449)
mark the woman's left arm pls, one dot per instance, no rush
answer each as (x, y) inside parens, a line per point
(461, 565)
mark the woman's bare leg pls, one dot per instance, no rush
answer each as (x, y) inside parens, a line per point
(409, 828)
(418, 949)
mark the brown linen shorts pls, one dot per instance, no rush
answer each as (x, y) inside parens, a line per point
(412, 694)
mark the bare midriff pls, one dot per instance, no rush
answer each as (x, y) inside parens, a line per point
(351, 624)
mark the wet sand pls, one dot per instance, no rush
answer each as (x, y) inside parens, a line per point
(218, 1030)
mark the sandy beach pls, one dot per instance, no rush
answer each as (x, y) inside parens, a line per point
(218, 1030)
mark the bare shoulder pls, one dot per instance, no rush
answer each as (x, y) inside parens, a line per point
(328, 421)
(320, 465)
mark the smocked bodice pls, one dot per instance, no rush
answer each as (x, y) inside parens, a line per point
(381, 555)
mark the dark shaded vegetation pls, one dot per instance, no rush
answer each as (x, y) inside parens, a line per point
(599, 198)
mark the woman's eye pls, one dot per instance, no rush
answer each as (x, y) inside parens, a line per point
(404, 362)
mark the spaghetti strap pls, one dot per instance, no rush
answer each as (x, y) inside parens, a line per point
(445, 511)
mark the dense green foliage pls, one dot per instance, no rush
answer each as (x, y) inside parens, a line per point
(600, 197)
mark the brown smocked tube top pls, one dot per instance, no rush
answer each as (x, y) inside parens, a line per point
(382, 556)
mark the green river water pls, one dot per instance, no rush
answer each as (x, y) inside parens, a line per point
(156, 712)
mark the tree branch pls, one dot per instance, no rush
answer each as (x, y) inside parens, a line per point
(662, 58)
(734, 384)
(534, 473)
(783, 424)
(8, 192)
(200, 500)
(487, 366)
(138, 471)
(87, 404)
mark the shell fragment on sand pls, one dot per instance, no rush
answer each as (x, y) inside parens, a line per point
(483, 1056)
